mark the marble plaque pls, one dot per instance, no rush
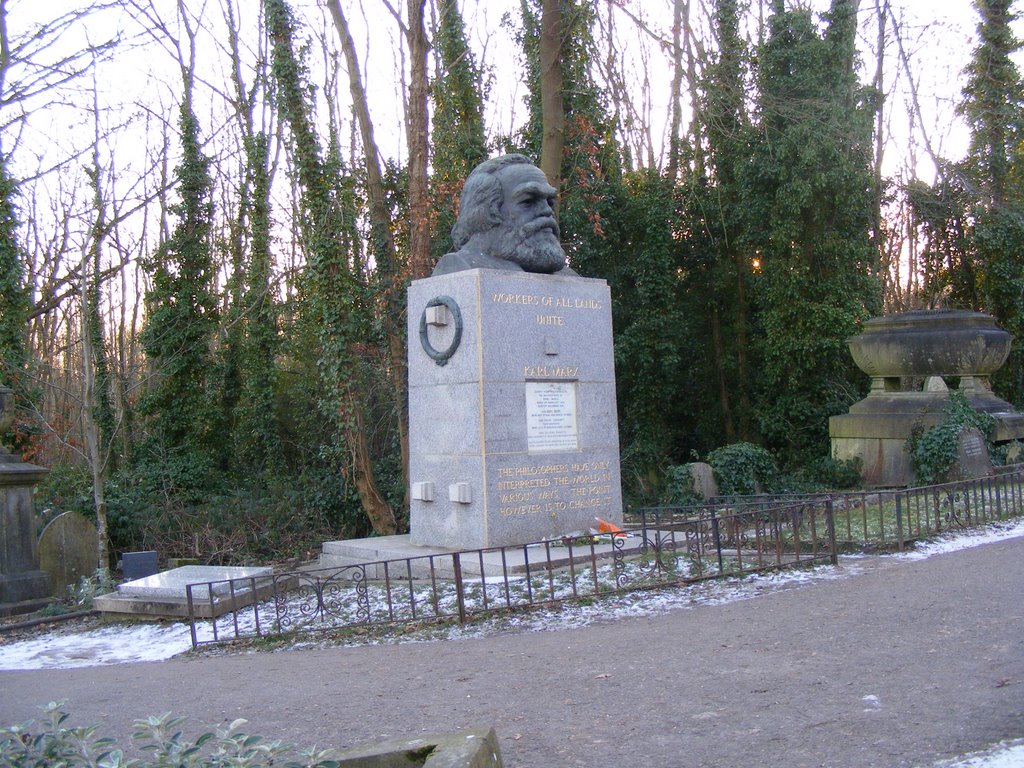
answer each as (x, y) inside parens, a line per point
(551, 416)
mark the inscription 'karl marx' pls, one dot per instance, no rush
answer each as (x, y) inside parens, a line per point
(551, 371)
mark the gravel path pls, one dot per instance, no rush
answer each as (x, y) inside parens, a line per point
(902, 664)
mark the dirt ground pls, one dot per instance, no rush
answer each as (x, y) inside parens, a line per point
(903, 663)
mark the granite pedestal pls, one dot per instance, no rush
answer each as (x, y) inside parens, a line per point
(512, 417)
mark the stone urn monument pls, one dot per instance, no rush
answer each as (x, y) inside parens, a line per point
(913, 358)
(23, 586)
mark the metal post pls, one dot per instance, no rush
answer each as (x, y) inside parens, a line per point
(457, 569)
(899, 522)
(830, 526)
(191, 615)
(718, 540)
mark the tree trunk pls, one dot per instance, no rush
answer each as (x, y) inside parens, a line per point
(417, 136)
(552, 105)
(393, 276)
(676, 124)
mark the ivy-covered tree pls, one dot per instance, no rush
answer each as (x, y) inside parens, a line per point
(723, 113)
(459, 144)
(257, 432)
(14, 298)
(181, 325)
(807, 206)
(337, 307)
(620, 227)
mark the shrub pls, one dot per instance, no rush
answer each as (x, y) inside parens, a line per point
(743, 469)
(679, 488)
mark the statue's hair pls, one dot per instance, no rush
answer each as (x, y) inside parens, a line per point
(482, 197)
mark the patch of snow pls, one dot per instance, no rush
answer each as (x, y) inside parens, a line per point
(955, 541)
(122, 644)
(1006, 754)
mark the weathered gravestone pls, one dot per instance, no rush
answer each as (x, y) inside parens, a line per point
(512, 419)
(972, 459)
(68, 549)
(702, 477)
(215, 590)
(23, 585)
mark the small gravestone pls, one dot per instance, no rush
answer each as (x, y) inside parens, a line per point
(972, 457)
(68, 550)
(1013, 453)
(138, 565)
(702, 477)
(935, 384)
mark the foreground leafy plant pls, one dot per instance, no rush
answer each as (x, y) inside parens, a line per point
(51, 742)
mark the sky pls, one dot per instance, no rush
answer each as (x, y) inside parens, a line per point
(144, 77)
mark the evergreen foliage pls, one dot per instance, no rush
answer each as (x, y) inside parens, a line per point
(459, 144)
(809, 215)
(14, 298)
(181, 323)
(933, 452)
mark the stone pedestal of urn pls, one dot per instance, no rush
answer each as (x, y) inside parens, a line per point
(24, 586)
(913, 358)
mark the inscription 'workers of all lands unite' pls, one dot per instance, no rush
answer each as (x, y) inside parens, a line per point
(552, 302)
(553, 488)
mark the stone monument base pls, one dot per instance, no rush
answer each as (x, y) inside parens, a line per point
(374, 551)
(24, 587)
(877, 428)
(23, 592)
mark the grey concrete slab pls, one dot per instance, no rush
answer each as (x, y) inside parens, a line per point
(165, 594)
(170, 585)
(485, 563)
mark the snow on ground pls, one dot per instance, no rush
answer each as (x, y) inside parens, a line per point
(950, 542)
(148, 641)
(1007, 754)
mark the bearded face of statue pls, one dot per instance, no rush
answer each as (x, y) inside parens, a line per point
(528, 234)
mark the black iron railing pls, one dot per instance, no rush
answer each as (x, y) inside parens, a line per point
(660, 547)
(884, 519)
(463, 585)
